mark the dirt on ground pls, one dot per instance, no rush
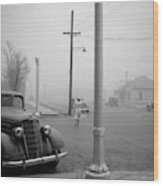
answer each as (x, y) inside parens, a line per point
(128, 140)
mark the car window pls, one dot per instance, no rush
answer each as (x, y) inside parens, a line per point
(6, 101)
(17, 102)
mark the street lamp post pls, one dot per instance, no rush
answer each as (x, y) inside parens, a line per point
(98, 168)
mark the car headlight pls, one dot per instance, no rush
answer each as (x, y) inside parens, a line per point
(46, 130)
(18, 132)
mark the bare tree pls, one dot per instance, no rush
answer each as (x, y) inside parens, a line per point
(16, 67)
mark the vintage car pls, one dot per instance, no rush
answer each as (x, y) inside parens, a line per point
(113, 102)
(84, 108)
(24, 142)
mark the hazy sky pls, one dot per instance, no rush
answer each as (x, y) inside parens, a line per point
(36, 30)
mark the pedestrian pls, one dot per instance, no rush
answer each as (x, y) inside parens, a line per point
(77, 112)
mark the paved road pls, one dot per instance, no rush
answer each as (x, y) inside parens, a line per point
(128, 144)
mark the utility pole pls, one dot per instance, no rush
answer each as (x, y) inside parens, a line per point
(72, 34)
(37, 85)
(98, 168)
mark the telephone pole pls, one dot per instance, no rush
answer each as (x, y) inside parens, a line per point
(72, 34)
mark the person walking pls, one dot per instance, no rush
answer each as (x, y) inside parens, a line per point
(77, 112)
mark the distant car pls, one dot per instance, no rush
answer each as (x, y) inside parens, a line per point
(113, 102)
(84, 108)
(24, 142)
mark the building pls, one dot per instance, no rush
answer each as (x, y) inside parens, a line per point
(139, 91)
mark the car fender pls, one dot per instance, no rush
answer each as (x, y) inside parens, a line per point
(56, 139)
(8, 147)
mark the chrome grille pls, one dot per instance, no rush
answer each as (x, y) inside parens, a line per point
(6, 128)
(33, 140)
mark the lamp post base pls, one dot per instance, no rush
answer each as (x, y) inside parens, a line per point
(97, 172)
(96, 175)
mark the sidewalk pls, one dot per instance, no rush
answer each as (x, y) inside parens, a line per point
(114, 175)
(43, 109)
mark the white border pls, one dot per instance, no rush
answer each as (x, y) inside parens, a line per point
(55, 1)
(56, 182)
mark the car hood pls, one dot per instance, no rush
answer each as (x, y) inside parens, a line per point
(12, 115)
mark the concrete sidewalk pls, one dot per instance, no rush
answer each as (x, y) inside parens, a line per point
(43, 109)
(114, 175)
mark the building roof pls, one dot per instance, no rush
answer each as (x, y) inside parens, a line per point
(142, 82)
